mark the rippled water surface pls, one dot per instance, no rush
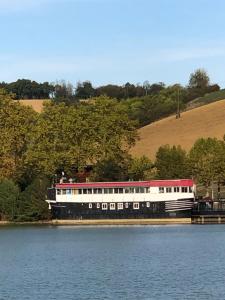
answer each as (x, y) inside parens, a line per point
(146, 262)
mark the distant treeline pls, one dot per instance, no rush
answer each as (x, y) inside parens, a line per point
(198, 85)
(144, 103)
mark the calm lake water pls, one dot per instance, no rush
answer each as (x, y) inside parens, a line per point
(138, 262)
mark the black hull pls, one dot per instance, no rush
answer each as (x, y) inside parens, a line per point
(78, 211)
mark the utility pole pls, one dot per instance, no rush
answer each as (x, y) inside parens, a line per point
(178, 104)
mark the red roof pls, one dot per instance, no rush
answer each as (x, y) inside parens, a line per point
(151, 183)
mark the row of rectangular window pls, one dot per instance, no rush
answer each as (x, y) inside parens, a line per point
(176, 189)
(112, 206)
(131, 190)
(103, 191)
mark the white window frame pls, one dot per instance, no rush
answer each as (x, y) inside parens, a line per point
(168, 189)
(135, 205)
(176, 189)
(112, 206)
(148, 204)
(161, 189)
(98, 205)
(104, 206)
(90, 205)
(184, 189)
(126, 205)
(119, 206)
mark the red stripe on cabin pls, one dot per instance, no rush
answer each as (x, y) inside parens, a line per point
(152, 183)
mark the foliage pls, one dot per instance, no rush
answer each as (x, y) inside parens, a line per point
(199, 79)
(16, 122)
(208, 98)
(111, 169)
(9, 193)
(140, 169)
(153, 107)
(64, 92)
(199, 85)
(31, 203)
(171, 163)
(207, 160)
(85, 90)
(70, 137)
(27, 89)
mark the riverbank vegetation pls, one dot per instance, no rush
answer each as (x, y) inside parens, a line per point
(91, 139)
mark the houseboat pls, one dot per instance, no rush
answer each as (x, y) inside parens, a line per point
(124, 200)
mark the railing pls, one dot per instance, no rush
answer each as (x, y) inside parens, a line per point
(209, 207)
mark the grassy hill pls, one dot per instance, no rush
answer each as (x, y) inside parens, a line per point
(204, 121)
(37, 104)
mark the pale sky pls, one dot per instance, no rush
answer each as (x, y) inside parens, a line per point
(112, 41)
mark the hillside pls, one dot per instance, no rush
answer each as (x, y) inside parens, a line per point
(204, 121)
(206, 99)
(37, 104)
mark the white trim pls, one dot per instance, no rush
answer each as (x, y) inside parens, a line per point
(112, 206)
(119, 206)
(104, 206)
(135, 205)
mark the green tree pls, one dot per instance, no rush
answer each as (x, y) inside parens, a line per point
(207, 160)
(111, 169)
(9, 193)
(84, 90)
(31, 203)
(16, 122)
(199, 79)
(68, 137)
(141, 169)
(172, 163)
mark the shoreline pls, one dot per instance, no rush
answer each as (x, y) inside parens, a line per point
(102, 222)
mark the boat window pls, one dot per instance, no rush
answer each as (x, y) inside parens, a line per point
(176, 189)
(98, 205)
(126, 205)
(106, 191)
(131, 190)
(116, 191)
(126, 190)
(68, 192)
(110, 191)
(84, 191)
(104, 206)
(136, 206)
(80, 191)
(121, 190)
(161, 189)
(184, 189)
(74, 191)
(64, 192)
(147, 190)
(112, 206)
(190, 189)
(147, 204)
(90, 205)
(95, 191)
(58, 192)
(137, 190)
(142, 190)
(99, 191)
(168, 190)
(89, 191)
(119, 205)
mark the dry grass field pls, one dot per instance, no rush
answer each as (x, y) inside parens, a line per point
(204, 121)
(37, 104)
